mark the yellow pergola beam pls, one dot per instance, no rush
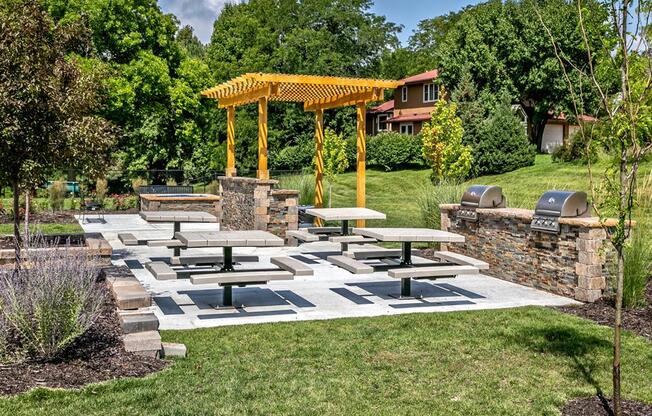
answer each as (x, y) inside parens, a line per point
(319, 162)
(230, 141)
(343, 101)
(247, 97)
(263, 172)
(361, 116)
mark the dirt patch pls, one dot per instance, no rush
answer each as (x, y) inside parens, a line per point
(62, 217)
(98, 355)
(599, 406)
(637, 320)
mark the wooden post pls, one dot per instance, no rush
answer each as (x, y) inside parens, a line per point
(319, 162)
(361, 112)
(230, 141)
(263, 173)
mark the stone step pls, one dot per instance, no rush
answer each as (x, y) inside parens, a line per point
(241, 278)
(171, 349)
(130, 295)
(165, 243)
(300, 235)
(161, 270)
(138, 322)
(146, 343)
(347, 263)
(195, 260)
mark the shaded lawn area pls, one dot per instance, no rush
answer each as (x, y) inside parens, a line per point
(519, 361)
(396, 193)
(44, 228)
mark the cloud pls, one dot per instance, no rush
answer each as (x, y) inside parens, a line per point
(200, 14)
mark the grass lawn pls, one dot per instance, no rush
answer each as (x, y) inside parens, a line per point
(512, 362)
(396, 193)
(44, 228)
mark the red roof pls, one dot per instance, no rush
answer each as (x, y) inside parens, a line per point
(383, 108)
(410, 117)
(583, 117)
(423, 77)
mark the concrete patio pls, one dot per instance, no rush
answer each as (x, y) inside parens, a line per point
(330, 293)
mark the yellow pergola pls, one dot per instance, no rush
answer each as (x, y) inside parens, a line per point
(317, 93)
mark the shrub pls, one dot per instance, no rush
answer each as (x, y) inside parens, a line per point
(293, 158)
(442, 143)
(503, 145)
(392, 150)
(213, 188)
(171, 182)
(57, 195)
(137, 183)
(335, 161)
(577, 149)
(101, 189)
(431, 196)
(48, 305)
(638, 266)
(305, 184)
(123, 202)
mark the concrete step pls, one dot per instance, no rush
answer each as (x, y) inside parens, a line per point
(347, 263)
(128, 239)
(195, 260)
(293, 266)
(165, 243)
(241, 278)
(430, 272)
(143, 343)
(138, 322)
(461, 259)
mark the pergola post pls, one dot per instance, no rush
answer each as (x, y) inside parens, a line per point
(230, 141)
(263, 173)
(319, 162)
(361, 113)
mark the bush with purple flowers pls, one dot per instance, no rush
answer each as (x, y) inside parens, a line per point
(47, 303)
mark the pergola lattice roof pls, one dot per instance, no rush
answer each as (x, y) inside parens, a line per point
(316, 92)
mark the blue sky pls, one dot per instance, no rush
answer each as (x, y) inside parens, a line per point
(201, 14)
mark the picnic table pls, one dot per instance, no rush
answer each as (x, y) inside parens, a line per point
(345, 215)
(176, 218)
(407, 236)
(227, 240)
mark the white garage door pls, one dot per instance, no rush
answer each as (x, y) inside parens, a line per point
(553, 137)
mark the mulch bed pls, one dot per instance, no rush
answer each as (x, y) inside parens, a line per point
(598, 406)
(61, 217)
(98, 355)
(602, 312)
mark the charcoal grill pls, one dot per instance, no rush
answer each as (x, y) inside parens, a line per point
(557, 204)
(480, 196)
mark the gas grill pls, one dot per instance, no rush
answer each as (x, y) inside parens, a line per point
(557, 204)
(480, 196)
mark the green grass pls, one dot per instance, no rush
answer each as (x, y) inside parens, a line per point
(510, 362)
(395, 193)
(44, 228)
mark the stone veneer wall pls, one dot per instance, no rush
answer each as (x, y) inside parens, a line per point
(574, 263)
(254, 204)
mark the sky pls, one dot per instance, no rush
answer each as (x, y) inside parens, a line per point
(200, 14)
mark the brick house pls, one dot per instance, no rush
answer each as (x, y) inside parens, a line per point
(414, 100)
(411, 106)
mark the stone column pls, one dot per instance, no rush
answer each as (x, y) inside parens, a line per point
(590, 260)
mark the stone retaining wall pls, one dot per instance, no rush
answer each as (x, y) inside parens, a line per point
(575, 263)
(253, 204)
(206, 203)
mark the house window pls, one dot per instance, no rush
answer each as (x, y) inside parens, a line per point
(407, 128)
(382, 122)
(429, 93)
(404, 94)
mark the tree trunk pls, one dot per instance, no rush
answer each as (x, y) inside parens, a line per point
(17, 238)
(617, 329)
(27, 197)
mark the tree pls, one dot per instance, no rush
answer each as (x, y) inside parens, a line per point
(335, 160)
(442, 142)
(625, 126)
(47, 99)
(505, 50)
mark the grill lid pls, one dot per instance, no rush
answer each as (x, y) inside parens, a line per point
(483, 196)
(563, 204)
